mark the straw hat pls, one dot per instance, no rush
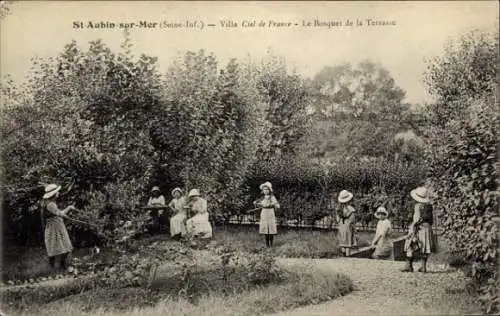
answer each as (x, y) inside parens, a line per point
(155, 189)
(266, 185)
(51, 190)
(420, 194)
(194, 192)
(345, 196)
(381, 210)
(176, 190)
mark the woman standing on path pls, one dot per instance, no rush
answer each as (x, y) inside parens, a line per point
(346, 219)
(57, 240)
(419, 243)
(268, 203)
(177, 222)
(381, 240)
(199, 224)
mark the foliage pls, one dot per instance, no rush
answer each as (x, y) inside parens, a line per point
(298, 289)
(469, 197)
(81, 121)
(210, 126)
(287, 98)
(467, 69)
(465, 168)
(310, 189)
(263, 269)
(355, 112)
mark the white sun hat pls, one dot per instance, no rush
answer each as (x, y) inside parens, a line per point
(51, 190)
(381, 210)
(345, 196)
(266, 185)
(194, 192)
(176, 190)
(420, 194)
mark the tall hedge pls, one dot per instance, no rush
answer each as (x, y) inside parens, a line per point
(464, 157)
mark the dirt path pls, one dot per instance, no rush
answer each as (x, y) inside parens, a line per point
(383, 290)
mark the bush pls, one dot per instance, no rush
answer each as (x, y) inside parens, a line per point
(464, 170)
(309, 190)
(82, 122)
(468, 198)
(263, 269)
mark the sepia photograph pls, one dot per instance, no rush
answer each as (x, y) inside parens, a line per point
(244, 158)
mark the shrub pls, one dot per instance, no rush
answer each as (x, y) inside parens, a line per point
(310, 189)
(263, 269)
(82, 121)
(468, 198)
(464, 170)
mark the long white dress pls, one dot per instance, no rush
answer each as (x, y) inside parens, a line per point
(199, 224)
(177, 225)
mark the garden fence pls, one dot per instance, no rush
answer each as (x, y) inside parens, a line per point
(325, 223)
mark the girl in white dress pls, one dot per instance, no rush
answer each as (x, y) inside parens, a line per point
(198, 225)
(177, 222)
(267, 224)
(381, 241)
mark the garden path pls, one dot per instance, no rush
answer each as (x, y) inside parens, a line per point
(383, 290)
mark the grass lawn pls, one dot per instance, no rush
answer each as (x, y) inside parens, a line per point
(235, 296)
(25, 263)
(296, 243)
(300, 288)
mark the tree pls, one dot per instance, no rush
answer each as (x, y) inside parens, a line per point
(464, 170)
(465, 70)
(287, 98)
(82, 121)
(357, 111)
(210, 126)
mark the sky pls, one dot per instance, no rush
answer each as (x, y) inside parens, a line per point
(421, 30)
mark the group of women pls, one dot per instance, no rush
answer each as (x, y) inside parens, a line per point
(190, 216)
(420, 241)
(180, 225)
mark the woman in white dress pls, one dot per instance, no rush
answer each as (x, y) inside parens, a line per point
(198, 225)
(177, 222)
(267, 224)
(381, 241)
